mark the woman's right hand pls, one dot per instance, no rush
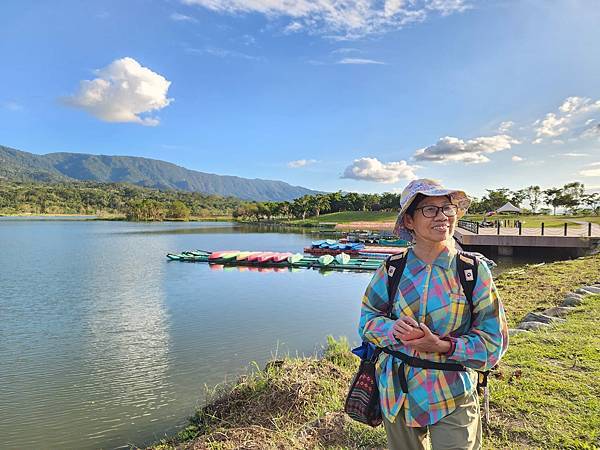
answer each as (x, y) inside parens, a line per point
(406, 329)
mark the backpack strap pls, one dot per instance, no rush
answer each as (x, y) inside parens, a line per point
(467, 265)
(394, 266)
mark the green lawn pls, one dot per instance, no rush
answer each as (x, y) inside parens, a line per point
(353, 216)
(546, 393)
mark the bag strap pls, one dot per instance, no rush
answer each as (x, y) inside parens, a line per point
(467, 265)
(394, 266)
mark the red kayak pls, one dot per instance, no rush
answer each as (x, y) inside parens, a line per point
(265, 257)
(281, 257)
(217, 255)
(254, 257)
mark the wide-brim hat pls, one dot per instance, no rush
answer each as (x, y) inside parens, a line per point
(430, 188)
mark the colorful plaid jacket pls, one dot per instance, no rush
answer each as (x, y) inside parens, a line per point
(433, 294)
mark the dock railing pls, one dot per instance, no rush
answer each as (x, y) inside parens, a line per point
(468, 225)
(516, 228)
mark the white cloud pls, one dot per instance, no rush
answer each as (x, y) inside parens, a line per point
(301, 163)
(590, 172)
(358, 61)
(222, 53)
(123, 92)
(177, 17)
(504, 127)
(293, 27)
(572, 115)
(473, 151)
(517, 158)
(345, 50)
(341, 19)
(592, 132)
(593, 170)
(371, 169)
(573, 154)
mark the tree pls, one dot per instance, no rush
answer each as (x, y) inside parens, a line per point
(319, 203)
(145, 210)
(593, 201)
(517, 197)
(553, 197)
(300, 206)
(572, 194)
(179, 210)
(533, 194)
(494, 199)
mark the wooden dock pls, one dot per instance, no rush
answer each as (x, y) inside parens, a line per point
(578, 238)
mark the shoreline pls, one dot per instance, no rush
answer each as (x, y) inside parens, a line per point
(118, 218)
(547, 377)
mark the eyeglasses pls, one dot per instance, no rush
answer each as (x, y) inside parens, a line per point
(431, 211)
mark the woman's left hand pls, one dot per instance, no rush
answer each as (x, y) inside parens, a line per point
(429, 342)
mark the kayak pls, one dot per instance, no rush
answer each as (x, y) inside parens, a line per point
(394, 243)
(294, 258)
(342, 258)
(281, 257)
(254, 256)
(325, 260)
(265, 257)
(229, 256)
(242, 256)
(217, 255)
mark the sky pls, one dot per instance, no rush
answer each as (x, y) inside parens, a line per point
(331, 95)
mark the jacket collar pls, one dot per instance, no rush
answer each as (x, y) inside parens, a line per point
(443, 260)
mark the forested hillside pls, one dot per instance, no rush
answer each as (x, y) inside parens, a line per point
(16, 165)
(134, 202)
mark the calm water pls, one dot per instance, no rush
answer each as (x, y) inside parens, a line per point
(105, 343)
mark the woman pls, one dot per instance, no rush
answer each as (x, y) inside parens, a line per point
(431, 319)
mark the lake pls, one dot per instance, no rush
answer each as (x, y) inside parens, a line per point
(104, 343)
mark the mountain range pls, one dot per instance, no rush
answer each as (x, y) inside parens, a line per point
(17, 165)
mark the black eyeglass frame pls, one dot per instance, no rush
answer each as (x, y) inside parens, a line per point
(452, 207)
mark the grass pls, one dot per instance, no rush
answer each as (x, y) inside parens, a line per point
(353, 216)
(549, 394)
(545, 393)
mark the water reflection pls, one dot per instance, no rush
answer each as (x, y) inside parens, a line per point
(127, 348)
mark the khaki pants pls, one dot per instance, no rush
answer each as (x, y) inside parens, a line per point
(461, 429)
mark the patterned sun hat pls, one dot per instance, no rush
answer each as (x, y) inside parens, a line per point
(430, 188)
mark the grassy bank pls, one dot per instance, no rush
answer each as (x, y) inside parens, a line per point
(544, 395)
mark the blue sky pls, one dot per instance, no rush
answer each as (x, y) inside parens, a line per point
(359, 96)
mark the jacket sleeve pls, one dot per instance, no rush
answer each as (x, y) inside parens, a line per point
(374, 326)
(487, 340)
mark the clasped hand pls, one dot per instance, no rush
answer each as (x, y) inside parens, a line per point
(418, 336)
